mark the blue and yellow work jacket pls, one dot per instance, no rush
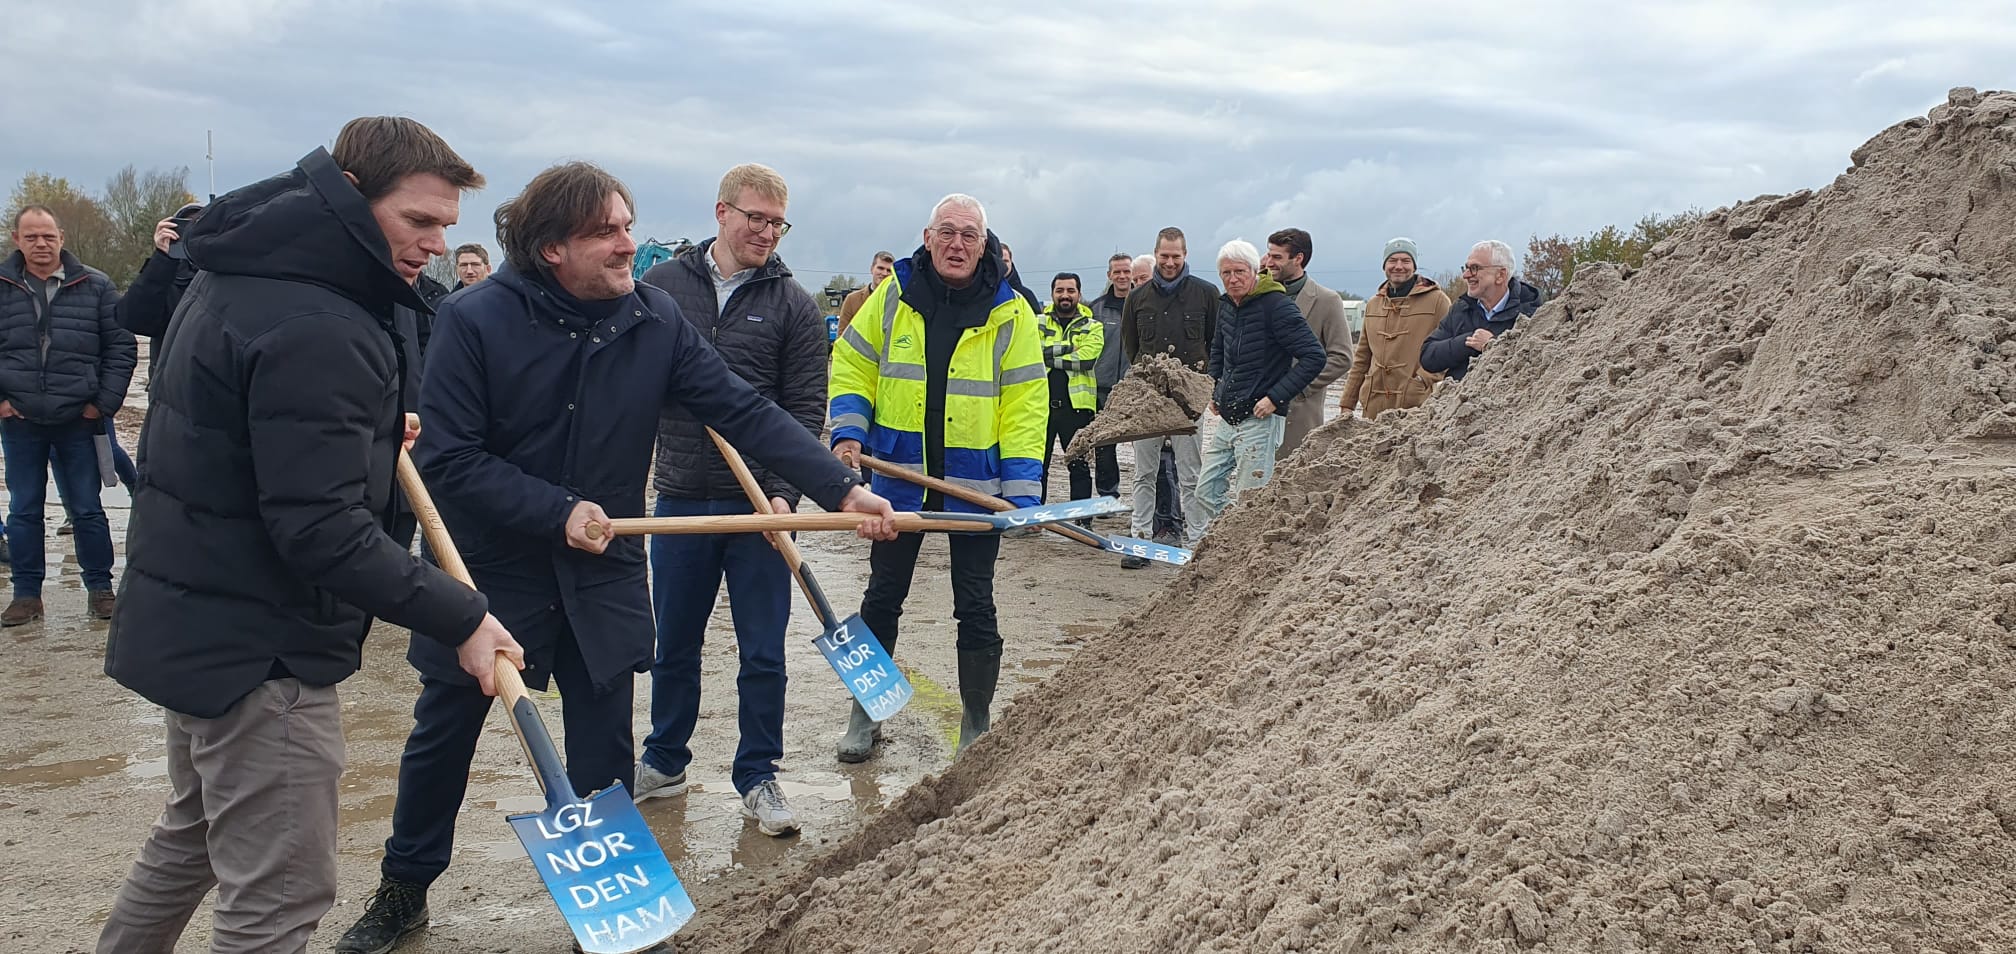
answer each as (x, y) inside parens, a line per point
(996, 408)
(1073, 346)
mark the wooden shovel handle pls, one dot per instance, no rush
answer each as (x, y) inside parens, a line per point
(510, 686)
(976, 498)
(906, 522)
(757, 498)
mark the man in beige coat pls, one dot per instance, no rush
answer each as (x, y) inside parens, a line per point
(1287, 260)
(1386, 373)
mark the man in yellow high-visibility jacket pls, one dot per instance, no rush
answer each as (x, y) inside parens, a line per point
(942, 371)
(1073, 339)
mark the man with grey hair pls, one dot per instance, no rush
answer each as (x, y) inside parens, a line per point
(1263, 356)
(1111, 364)
(1495, 298)
(900, 389)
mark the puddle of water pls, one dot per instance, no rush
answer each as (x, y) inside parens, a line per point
(62, 774)
(373, 809)
(1081, 630)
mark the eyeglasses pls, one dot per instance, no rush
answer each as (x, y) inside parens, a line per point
(947, 234)
(758, 221)
(1470, 269)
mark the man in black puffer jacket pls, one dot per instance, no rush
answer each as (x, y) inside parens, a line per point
(736, 291)
(64, 367)
(258, 554)
(1262, 356)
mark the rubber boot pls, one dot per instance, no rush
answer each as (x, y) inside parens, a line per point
(862, 734)
(979, 671)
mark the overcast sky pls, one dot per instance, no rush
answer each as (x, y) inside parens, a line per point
(1083, 127)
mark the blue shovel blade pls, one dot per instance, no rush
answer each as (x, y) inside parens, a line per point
(1060, 511)
(1159, 552)
(868, 672)
(606, 872)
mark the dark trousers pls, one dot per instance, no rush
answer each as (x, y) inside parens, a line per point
(890, 564)
(448, 719)
(1168, 496)
(686, 572)
(30, 448)
(1106, 470)
(1065, 423)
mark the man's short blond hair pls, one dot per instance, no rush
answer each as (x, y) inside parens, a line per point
(753, 175)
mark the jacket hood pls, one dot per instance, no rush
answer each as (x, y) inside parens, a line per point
(308, 225)
(695, 257)
(1261, 286)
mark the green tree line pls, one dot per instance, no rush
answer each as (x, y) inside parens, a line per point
(1550, 262)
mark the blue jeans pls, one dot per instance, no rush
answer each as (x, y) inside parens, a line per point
(1237, 458)
(30, 448)
(686, 572)
(121, 463)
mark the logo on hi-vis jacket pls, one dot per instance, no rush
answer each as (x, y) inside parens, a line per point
(903, 341)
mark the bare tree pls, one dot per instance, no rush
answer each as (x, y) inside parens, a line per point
(441, 268)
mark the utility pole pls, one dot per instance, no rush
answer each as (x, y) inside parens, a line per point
(210, 155)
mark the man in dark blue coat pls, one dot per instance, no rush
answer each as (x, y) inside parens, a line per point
(539, 407)
(1496, 298)
(1263, 354)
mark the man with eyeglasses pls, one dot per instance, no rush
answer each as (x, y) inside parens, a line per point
(739, 294)
(1495, 298)
(943, 372)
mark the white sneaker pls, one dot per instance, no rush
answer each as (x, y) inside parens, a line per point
(651, 783)
(766, 804)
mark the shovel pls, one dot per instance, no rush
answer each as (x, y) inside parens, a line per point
(1125, 546)
(596, 855)
(853, 651)
(906, 521)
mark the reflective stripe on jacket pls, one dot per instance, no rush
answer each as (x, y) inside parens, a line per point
(996, 405)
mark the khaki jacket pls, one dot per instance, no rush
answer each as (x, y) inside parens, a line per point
(1386, 373)
(1324, 310)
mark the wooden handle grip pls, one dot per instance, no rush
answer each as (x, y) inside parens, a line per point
(510, 687)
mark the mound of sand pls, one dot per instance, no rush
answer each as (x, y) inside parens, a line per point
(1158, 396)
(1684, 624)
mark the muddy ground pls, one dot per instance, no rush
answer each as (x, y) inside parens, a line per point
(82, 774)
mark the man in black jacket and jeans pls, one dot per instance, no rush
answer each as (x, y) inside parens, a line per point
(735, 291)
(258, 555)
(64, 367)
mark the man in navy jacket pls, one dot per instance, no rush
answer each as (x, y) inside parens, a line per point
(1496, 298)
(539, 407)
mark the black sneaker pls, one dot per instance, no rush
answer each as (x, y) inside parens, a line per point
(1132, 562)
(396, 909)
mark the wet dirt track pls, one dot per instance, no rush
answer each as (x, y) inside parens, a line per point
(82, 775)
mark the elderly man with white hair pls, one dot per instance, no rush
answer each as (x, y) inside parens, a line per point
(1263, 355)
(942, 372)
(1495, 298)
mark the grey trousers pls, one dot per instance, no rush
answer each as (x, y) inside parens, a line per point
(252, 811)
(1147, 460)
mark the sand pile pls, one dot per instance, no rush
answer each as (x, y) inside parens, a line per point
(1158, 396)
(1683, 625)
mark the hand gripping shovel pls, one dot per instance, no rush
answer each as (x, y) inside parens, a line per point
(598, 859)
(849, 647)
(1125, 546)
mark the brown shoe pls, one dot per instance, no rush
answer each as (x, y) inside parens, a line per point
(21, 611)
(102, 602)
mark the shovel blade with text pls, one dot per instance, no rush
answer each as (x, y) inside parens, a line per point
(606, 872)
(857, 658)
